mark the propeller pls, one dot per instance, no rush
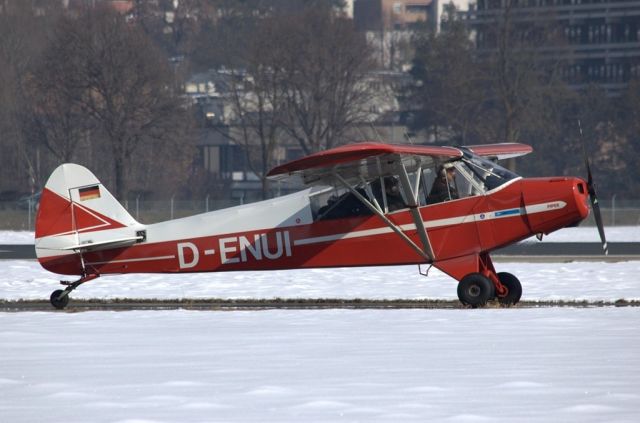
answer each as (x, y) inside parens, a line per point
(591, 188)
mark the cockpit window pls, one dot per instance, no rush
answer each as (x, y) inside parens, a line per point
(466, 177)
(431, 183)
(487, 174)
(383, 193)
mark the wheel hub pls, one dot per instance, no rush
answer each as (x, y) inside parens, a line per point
(474, 290)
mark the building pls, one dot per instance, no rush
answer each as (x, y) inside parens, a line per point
(601, 38)
(222, 146)
(460, 5)
(387, 15)
(388, 26)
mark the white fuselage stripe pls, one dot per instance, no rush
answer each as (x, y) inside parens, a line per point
(132, 260)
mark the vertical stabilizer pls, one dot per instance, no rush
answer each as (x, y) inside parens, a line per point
(77, 213)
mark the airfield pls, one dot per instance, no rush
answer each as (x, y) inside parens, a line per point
(325, 345)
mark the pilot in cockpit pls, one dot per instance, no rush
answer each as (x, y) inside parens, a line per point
(444, 187)
(393, 195)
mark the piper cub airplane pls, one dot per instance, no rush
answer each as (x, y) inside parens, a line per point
(366, 204)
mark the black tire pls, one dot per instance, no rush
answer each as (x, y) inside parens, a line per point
(475, 290)
(57, 301)
(514, 288)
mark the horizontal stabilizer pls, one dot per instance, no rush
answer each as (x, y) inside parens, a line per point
(113, 243)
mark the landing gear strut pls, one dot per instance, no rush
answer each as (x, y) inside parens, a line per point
(476, 288)
(60, 298)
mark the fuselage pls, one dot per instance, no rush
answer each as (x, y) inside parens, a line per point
(281, 233)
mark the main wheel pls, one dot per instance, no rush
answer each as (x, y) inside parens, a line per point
(475, 290)
(57, 301)
(514, 288)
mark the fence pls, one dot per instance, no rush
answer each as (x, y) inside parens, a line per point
(21, 215)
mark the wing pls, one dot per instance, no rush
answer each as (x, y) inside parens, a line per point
(352, 164)
(500, 151)
(362, 160)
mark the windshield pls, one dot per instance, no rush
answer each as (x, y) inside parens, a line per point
(485, 174)
(435, 182)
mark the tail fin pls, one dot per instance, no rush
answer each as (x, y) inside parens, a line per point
(76, 214)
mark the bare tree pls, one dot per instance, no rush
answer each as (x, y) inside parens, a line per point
(23, 35)
(325, 63)
(173, 25)
(285, 83)
(449, 94)
(245, 51)
(258, 101)
(500, 90)
(54, 116)
(122, 83)
(522, 77)
(627, 176)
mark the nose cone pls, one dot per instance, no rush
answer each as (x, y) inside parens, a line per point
(555, 203)
(581, 197)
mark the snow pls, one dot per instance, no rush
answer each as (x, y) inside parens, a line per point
(590, 234)
(591, 281)
(491, 365)
(16, 237)
(458, 365)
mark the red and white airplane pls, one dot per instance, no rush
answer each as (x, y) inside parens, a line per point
(367, 204)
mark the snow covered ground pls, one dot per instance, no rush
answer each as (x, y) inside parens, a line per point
(592, 281)
(590, 234)
(16, 237)
(492, 365)
(580, 234)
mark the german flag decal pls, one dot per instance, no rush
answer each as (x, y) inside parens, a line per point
(89, 193)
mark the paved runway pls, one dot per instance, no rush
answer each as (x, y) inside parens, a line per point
(17, 252)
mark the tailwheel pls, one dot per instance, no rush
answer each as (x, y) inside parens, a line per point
(513, 286)
(59, 299)
(475, 290)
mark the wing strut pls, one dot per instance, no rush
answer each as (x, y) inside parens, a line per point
(377, 211)
(411, 195)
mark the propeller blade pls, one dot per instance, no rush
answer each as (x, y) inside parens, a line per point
(595, 205)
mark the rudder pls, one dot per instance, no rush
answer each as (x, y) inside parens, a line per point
(77, 213)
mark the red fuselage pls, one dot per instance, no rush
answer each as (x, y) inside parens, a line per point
(456, 229)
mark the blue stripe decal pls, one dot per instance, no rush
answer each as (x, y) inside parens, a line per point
(507, 212)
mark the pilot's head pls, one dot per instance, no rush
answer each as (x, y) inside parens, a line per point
(448, 171)
(391, 185)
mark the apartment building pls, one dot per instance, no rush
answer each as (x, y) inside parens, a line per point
(600, 38)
